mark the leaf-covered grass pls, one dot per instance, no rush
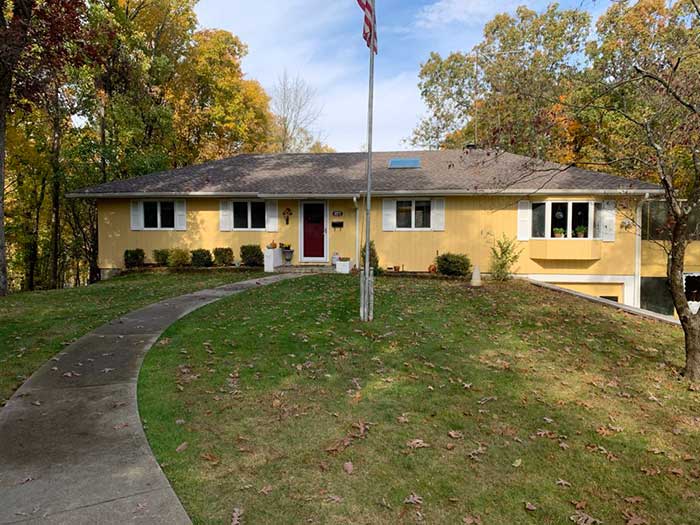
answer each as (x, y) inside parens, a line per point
(36, 325)
(549, 400)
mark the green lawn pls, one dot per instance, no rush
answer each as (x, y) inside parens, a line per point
(523, 397)
(34, 326)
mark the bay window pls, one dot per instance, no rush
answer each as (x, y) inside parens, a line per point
(566, 219)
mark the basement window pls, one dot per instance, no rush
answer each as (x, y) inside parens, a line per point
(159, 215)
(691, 284)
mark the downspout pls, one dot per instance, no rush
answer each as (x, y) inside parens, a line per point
(638, 254)
(357, 232)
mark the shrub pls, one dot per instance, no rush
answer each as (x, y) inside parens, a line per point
(178, 258)
(161, 257)
(373, 258)
(201, 258)
(134, 258)
(453, 264)
(252, 255)
(503, 256)
(223, 256)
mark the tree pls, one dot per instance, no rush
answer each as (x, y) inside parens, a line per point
(645, 109)
(506, 92)
(34, 46)
(217, 112)
(294, 103)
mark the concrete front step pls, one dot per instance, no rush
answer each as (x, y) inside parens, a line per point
(305, 269)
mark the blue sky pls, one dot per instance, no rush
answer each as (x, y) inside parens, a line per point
(321, 40)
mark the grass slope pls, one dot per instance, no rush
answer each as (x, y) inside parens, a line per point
(526, 397)
(36, 325)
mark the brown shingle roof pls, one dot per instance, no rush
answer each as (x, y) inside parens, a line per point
(328, 174)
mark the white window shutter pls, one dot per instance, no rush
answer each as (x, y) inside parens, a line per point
(524, 220)
(271, 216)
(225, 216)
(608, 222)
(136, 215)
(389, 215)
(180, 215)
(437, 215)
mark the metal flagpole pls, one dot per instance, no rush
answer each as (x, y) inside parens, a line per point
(367, 306)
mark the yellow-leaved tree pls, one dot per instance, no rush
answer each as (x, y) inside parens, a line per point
(217, 112)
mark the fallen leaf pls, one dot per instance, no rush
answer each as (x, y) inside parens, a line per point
(563, 483)
(403, 418)
(182, 447)
(634, 499)
(417, 443)
(579, 505)
(334, 499)
(471, 520)
(530, 507)
(518, 462)
(413, 499)
(236, 517)
(632, 518)
(266, 490)
(211, 458)
(455, 434)
(347, 467)
(581, 518)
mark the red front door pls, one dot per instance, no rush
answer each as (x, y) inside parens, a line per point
(314, 230)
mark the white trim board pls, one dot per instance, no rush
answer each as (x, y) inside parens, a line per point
(325, 232)
(628, 282)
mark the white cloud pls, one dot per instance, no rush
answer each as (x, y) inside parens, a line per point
(445, 12)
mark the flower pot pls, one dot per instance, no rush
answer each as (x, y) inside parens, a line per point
(558, 235)
(581, 235)
(288, 255)
(342, 267)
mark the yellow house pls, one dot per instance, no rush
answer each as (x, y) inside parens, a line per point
(576, 228)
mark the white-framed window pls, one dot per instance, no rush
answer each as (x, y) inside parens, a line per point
(413, 214)
(158, 215)
(566, 220)
(249, 215)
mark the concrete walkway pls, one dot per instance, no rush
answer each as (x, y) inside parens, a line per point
(72, 449)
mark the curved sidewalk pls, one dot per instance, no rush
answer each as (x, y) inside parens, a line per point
(72, 449)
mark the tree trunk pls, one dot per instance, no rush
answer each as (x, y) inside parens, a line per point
(55, 189)
(3, 246)
(692, 348)
(689, 321)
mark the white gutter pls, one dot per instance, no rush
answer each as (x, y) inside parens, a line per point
(638, 254)
(493, 193)
(357, 231)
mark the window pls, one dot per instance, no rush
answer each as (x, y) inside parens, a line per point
(539, 220)
(568, 220)
(159, 215)
(413, 214)
(249, 215)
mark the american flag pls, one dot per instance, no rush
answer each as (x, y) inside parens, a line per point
(369, 29)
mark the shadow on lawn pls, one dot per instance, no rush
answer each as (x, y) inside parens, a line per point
(542, 388)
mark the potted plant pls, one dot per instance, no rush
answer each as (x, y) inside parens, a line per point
(558, 232)
(343, 265)
(287, 252)
(581, 231)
